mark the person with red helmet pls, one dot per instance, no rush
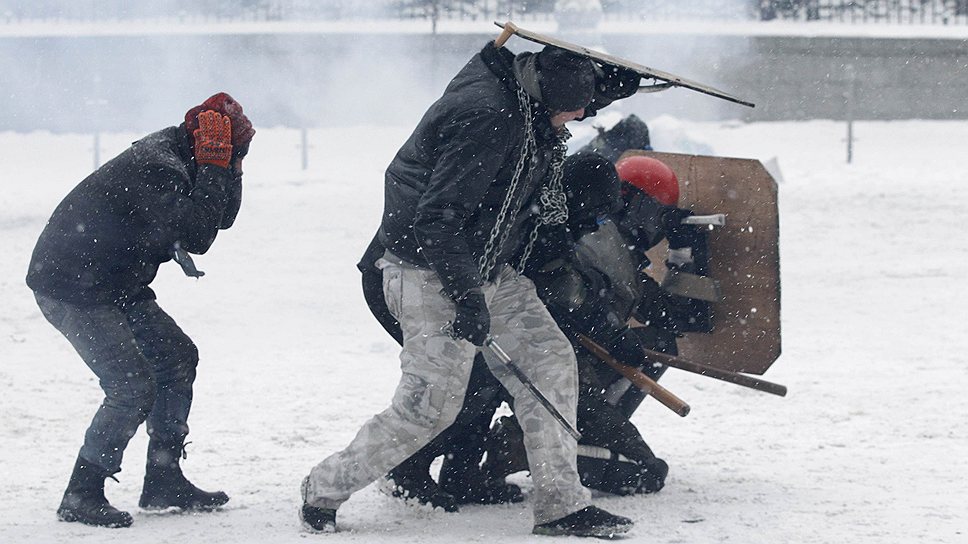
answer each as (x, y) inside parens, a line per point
(651, 176)
(651, 188)
(161, 199)
(595, 291)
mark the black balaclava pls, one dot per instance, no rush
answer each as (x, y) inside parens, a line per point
(592, 187)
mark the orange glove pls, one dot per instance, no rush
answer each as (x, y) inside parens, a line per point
(213, 139)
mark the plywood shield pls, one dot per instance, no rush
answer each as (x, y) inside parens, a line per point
(744, 258)
(668, 80)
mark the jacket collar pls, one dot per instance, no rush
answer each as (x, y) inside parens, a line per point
(500, 62)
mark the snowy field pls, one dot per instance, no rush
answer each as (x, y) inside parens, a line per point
(870, 445)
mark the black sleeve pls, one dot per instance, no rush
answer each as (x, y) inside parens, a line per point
(642, 219)
(578, 300)
(554, 242)
(373, 253)
(234, 193)
(467, 166)
(191, 220)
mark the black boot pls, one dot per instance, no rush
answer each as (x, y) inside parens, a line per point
(505, 449)
(419, 487)
(654, 474)
(471, 485)
(166, 486)
(84, 499)
(589, 521)
(314, 519)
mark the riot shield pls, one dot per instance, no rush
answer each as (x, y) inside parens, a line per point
(744, 259)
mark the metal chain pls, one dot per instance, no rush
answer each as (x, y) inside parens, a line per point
(552, 198)
(500, 233)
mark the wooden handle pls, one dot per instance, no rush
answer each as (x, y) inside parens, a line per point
(719, 374)
(509, 30)
(638, 378)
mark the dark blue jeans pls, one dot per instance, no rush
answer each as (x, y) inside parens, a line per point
(146, 368)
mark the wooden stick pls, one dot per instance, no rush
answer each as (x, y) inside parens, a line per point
(637, 377)
(506, 33)
(713, 372)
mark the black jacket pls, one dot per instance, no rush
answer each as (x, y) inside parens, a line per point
(105, 240)
(596, 284)
(445, 186)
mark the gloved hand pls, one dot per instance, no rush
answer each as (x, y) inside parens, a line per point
(473, 321)
(611, 83)
(617, 83)
(213, 139)
(627, 350)
(656, 310)
(679, 235)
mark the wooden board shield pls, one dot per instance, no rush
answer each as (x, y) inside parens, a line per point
(744, 258)
(668, 79)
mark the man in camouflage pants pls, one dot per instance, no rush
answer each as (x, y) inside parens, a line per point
(460, 200)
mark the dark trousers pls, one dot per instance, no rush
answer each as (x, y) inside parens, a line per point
(145, 365)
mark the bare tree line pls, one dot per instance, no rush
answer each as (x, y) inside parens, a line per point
(845, 11)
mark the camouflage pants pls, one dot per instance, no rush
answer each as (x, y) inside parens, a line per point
(435, 369)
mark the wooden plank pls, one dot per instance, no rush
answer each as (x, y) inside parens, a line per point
(605, 58)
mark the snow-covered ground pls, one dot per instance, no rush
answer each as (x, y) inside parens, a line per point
(868, 447)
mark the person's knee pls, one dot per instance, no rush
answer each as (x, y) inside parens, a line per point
(547, 345)
(562, 349)
(424, 408)
(137, 393)
(426, 418)
(187, 363)
(179, 366)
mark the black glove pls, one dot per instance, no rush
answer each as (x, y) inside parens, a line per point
(617, 83)
(627, 350)
(611, 83)
(679, 235)
(473, 321)
(657, 311)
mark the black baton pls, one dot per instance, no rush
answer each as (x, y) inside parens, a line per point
(505, 359)
(502, 356)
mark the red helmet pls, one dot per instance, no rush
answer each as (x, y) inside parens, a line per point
(650, 176)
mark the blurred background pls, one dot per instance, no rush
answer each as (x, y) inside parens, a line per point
(113, 65)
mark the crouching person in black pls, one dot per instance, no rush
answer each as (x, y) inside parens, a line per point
(582, 300)
(164, 197)
(594, 290)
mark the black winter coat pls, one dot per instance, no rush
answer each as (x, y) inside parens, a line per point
(445, 186)
(593, 286)
(105, 240)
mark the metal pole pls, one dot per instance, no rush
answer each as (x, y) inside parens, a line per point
(523, 378)
(849, 97)
(97, 149)
(505, 359)
(305, 148)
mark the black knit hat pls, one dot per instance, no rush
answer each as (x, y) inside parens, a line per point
(567, 80)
